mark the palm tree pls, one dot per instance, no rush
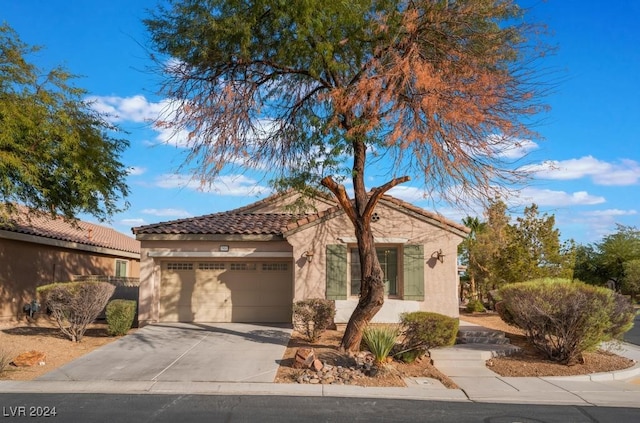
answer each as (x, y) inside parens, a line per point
(469, 250)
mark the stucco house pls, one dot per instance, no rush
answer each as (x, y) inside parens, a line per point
(250, 264)
(38, 250)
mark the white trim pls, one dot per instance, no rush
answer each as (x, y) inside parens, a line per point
(353, 240)
(216, 254)
(16, 236)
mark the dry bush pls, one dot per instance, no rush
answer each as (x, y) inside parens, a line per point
(563, 319)
(312, 317)
(74, 305)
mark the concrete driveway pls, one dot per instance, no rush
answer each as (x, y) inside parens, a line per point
(185, 352)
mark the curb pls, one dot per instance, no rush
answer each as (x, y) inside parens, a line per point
(599, 377)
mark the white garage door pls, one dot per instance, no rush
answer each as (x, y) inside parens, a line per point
(216, 291)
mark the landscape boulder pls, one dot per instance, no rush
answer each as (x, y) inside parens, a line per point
(29, 359)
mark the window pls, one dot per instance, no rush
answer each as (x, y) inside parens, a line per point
(211, 266)
(121, 268)
(243, 266)
(410, 273)
(274, 267)
(388, 258)
(179, 266)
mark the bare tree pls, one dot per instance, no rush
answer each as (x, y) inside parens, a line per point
(438, 89)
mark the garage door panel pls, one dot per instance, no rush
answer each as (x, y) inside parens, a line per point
(280, 284)
(261, 299)
(213, 292)
(212, 314)
(261, 314)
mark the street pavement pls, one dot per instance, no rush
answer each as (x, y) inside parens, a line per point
(176, 359)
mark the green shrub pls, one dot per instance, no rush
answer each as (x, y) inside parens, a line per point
(475, 306)
(563, 319)
(313, 316)
(380, 340)
(423, 330)
(74, 305)
(120, 315)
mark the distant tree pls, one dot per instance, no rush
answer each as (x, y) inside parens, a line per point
(488, 248)
(55, 154)
(504, 252)
(535, 250)
(439, 89)
(469, 252)
(617, 249)
(588, 267)
(631, 279)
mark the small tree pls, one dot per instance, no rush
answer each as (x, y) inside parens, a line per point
(74, 305)
(56, 154)
(317, 90)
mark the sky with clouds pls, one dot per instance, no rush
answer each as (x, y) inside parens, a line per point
(586, 169)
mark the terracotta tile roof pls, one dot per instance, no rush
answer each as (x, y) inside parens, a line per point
(241, 222)
(426, 213)
(81, 233)
(227, 223)
(384, 199)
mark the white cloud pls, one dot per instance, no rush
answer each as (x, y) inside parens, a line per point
(132, 222)
(231, 185)
(137, 170)
(167, 212)
(511, 148)
(138, 109)
(547, 197)
(610, 213)
(407, 193)
(132, 109)
(625, 172)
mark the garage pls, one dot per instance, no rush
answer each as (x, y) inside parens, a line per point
(226, 291)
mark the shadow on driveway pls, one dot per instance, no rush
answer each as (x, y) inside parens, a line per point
(224, 352)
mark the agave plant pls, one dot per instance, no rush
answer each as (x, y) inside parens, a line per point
(380, 340)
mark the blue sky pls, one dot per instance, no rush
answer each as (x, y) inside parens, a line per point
(590, 136)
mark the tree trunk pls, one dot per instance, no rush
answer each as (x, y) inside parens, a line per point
(473, 293)
(359, 212)
(371, 290)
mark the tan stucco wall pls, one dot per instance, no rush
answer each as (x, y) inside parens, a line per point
(441, 279)
(150, 267)
(441, 289)
(25, 266)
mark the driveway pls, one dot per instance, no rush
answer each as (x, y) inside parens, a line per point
(185, 352)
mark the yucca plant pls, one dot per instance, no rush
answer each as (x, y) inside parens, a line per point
(380, 340)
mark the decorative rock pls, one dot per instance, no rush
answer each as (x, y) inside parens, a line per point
(304, 358)
(29, 358)
(317, 365)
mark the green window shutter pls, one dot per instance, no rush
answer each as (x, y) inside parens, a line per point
(414, 272)
(337, 272)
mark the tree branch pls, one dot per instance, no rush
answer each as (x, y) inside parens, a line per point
(341, 194)
(377, 193)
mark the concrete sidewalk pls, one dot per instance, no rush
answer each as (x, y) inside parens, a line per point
(613, 389)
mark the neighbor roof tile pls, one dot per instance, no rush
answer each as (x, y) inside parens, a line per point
(81, 232)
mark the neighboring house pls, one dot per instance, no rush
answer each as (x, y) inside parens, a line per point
(250, 264)
(38, 250)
